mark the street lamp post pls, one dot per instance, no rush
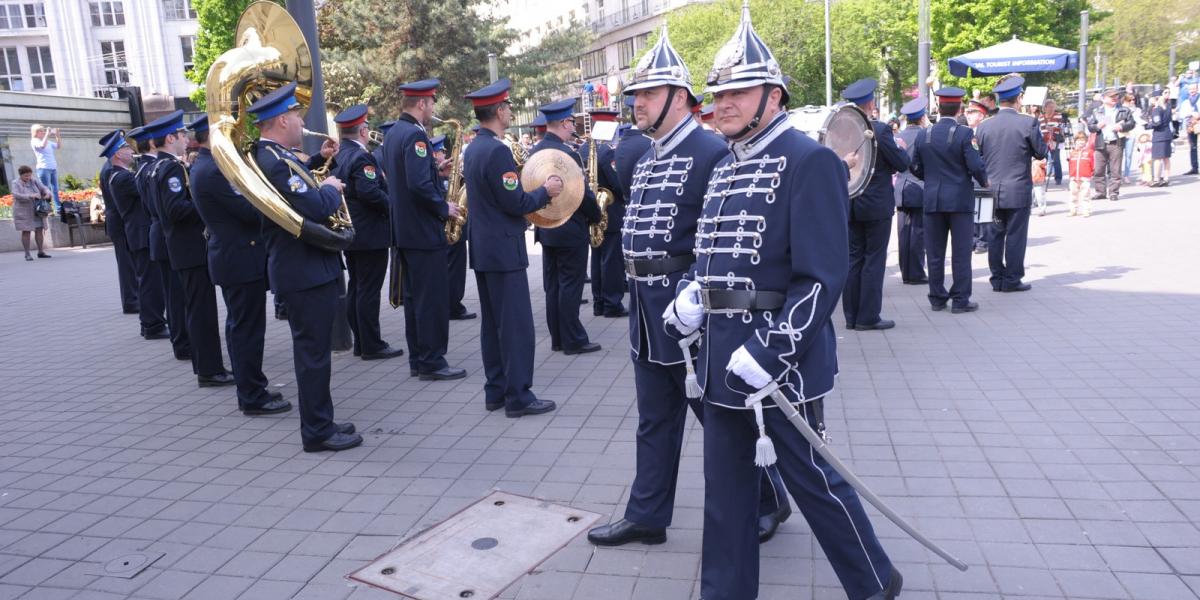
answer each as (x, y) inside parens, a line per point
(828, 61)
(923, 52)
(1083, 48)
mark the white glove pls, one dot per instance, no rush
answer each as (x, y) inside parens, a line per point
(685, 313)
(742, 364)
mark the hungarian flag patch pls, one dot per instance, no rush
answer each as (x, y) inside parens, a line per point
(509, 180)
(369, 172)
(421, 149)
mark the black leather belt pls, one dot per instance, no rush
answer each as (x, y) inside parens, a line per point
(741, 300)
(646, 267)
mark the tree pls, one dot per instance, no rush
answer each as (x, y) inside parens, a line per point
(1137, 37)
(543, 73)
(218, 25)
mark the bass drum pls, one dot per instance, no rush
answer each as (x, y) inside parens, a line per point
(844, 129)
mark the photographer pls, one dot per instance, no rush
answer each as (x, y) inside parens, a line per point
(47, 166)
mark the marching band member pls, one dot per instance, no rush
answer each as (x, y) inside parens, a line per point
(910, 222)
(183, 232)
(498, 256)
(366, 194)
(456, 255)
(114, 227)
(419, 211)
(565, 248)
(608, 273)
(306, 277)
(771, 261)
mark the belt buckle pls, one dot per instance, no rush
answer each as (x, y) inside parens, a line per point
(630, 269)
(705, 301)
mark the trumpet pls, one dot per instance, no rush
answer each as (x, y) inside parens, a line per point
(375, 137)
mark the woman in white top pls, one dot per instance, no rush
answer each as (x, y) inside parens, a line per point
(45, 141)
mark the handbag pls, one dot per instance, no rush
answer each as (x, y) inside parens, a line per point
(41, 208)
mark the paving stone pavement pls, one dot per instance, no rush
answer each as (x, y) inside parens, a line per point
(1050, 440)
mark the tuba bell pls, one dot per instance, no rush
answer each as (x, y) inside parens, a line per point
(270, 52)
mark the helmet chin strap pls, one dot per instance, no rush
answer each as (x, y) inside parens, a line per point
(758, 115)
(662, 115)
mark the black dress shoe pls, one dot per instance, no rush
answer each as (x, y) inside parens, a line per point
(218, 380)
(183, 356)
(585, 301)
(281, 313)
(160, 334)
(493, 406)
(895, 583)
(916, 281)
(597, 311)
(1020, 287)
(617, 314)
(387, 352)
(768, 524)
(131, 310)
(966, 308)
(938, 307)
(357, 351)
(444, 374)
(43, 255)
(336, 442)
(555, 348)
(881, 324)
(1192, 172)
(413, 372)
(536, 407)
(345, 428)
(464, 316)
(272, 406)
(584, 349)
(623, 532)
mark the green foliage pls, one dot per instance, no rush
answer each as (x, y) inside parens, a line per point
(543, 73)
(71, 183)
(218, 25)
(1137, 38)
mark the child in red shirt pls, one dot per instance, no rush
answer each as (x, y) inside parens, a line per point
(1079, 169)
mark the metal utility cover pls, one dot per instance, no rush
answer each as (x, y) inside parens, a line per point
(127, 566)
(479, 551)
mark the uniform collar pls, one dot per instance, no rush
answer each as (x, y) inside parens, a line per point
(759, 141)
(669, 142)
(205, 151)
(411, 119)
(487, 132)
(553, 137)
(1008, 108)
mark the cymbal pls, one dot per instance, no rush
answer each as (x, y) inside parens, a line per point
(538, 168)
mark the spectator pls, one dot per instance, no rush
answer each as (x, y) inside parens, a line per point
(26, 191)
(1162, 138)
(1129, 100)
(1054, 129)
(1038, 174)
(1144, 162)
(47, 165)
(1079, 173)
(1189, 118)
(1111, 123)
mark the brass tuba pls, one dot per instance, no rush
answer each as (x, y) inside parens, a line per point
(270, 52)
(604, 196)
(458, 186)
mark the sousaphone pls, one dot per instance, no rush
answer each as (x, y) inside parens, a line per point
(270, 53)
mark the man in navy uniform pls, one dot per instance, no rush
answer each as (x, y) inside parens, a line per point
(419, 211)
(305, 276)
(871, 220)
(499, 258)
(975, 112)
(1009, 142)
(771, 261)
(367, 256)
(910, 223)
(658, 234)
(631, 147)
(565, 248)
(183, 232)
(237, 261)
(608, 272)
(456, 256)
(945, 158)
(378, 152)
(111, 143)
(159, 255)
(122, 189)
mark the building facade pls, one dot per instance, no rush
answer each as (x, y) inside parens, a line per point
(94, 47)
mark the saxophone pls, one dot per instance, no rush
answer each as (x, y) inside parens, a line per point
(604, 196)
(458, 186)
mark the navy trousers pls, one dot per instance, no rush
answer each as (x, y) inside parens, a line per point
(564, 270)
(367, 269)
(729, 563)
(506, 337)
(245, 330)
(862, 298)
(910, 233)
(176, 308)
(608, 276)
(126, 274)
(662, 414)
(426, 308)
(310, 317)
(200, 320)
(150, 292)
(1006, 251)
(456, 258)
(958, 226)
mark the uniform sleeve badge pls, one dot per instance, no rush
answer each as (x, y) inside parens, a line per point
(297, 185)
(175, 185)
(975, 143)
(422, 150)
(369, 172)
(509, 180)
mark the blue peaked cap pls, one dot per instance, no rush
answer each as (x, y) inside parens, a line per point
(164, 125)
(861, 91)
(914, 109)
(438, 142)
(1009, 88)
(199, 125)
(558, 110)
(274, 104)
(111, 142)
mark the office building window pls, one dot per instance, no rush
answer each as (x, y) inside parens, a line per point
(10, 71)
(107, 13)
(594, 64)
(188, 43)
(629, 50)
(116, 69)
(41, 68)
(178, 10)
(35, 14)
(11, 17)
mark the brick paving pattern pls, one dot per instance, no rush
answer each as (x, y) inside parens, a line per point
(1050, 440)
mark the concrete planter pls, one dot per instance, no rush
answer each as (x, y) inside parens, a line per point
(10, 238)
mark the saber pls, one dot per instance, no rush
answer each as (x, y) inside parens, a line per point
(819, 445)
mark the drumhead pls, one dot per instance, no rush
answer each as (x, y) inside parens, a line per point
(844, 129)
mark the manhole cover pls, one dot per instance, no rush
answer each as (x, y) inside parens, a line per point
(455, 559)
(127, 566)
